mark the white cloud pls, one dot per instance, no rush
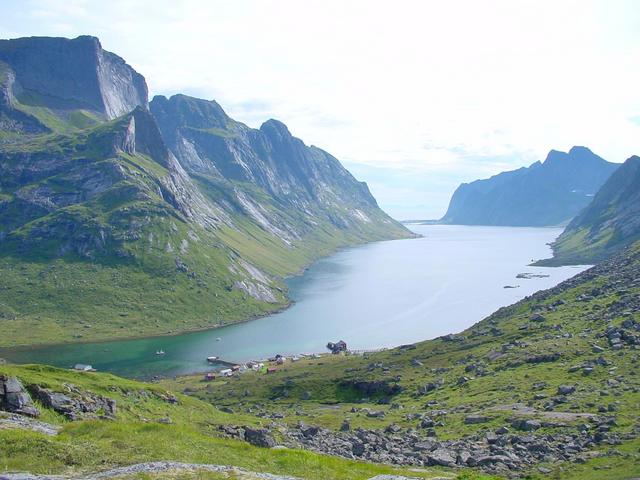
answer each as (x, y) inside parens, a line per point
(445, 90)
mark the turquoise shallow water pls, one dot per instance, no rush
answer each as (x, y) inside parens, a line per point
(382, 294)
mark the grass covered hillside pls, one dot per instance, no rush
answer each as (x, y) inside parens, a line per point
(610, 222)
(547, 387)
(147, 424)
(104, 233)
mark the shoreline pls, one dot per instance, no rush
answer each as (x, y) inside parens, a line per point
(289, 304)
(192, 365)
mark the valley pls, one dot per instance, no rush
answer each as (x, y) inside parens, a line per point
(186, 296)
(380, 295)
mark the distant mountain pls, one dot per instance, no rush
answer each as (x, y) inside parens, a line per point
(609, 223)
(117, 220)
(544, 194)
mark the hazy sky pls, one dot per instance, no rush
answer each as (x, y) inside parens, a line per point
(413, 97)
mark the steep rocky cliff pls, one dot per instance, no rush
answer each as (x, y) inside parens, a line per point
(113, 227)
(294, 177)
(544, 194)
(52, 81)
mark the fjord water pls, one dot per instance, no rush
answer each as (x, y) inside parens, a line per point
(378, 295)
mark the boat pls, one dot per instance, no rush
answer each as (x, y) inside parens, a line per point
(218, 339)
(160, 352)
(212, 359)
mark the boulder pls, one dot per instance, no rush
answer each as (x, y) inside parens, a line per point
(536, 317)
(308, 430)
(393, 428)
(441, 457)
(427, 422)
(357, 448)
(259, 437)
(423, 446)
(542, 358)
(473, 419)
(14, 398)
(430, 387)
(526, 425)
(375, 414)
(566, 389)
(452, 338)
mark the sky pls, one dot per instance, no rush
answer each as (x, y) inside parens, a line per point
(414, 97)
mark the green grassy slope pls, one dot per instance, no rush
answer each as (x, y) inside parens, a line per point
(98, 241)
(508, 366)
(609, 223)
(98, 259)
(137, 435)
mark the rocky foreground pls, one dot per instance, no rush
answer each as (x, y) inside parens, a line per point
(505, 450)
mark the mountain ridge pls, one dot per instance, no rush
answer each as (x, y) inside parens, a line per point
(109, 230)
(546, 193)
(44, 73)
(610, 222)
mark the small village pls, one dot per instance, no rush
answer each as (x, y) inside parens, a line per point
(268, 366)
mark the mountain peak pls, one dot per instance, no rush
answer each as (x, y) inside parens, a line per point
(575, 155)
(580, 150)
(542, 195)
(182, 110)
(73, 74)
(275, 126)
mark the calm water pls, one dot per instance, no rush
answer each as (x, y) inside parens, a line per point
(378, 295)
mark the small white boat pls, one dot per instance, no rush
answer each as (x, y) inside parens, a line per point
(160, 352)
(212, 359)
(218, 339)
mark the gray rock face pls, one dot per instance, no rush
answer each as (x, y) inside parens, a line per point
(134, 133)
(304, 178)
(73, 74)
(14, 398)
(75, 404)
(206, 140)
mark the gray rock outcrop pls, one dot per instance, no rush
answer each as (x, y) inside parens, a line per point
(75, 404)
(69, 74)
(259, 437)
(15, 398)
